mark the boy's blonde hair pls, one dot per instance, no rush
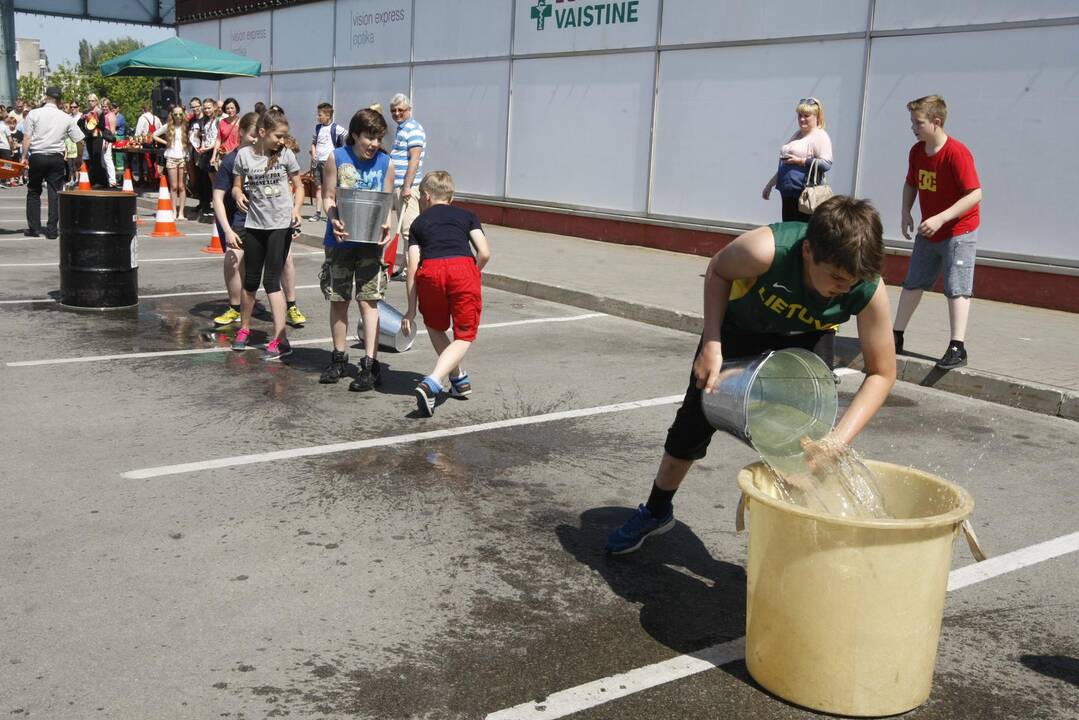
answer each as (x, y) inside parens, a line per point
(932, 106)
(438, 184)
(811, 106)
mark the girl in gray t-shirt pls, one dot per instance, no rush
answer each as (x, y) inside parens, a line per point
(267, 187)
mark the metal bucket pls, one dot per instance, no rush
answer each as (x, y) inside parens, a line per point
(773, 401)
(363, 212)
(389, 329)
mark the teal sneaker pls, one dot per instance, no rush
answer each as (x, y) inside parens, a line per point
(640, 526)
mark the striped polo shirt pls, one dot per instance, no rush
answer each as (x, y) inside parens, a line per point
(409, 135)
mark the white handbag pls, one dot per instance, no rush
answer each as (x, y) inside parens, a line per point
(815, 192)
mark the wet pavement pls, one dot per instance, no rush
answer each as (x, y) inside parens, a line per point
(431, 577)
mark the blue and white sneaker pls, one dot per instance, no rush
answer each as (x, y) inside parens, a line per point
(460, 386)
(640, 526)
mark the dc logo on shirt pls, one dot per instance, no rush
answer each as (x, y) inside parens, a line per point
(927, 180)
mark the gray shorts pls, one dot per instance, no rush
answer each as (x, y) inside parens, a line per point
(319, 169)
(955, 256)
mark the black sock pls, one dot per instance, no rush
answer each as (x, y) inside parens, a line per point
(290, 303)
(234, 307)
(659, 501)
(958, 344)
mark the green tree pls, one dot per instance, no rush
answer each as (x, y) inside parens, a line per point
(129, 92)
(31, 89)
(73, 82)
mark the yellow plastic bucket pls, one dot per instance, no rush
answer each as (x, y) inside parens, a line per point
(844, 615)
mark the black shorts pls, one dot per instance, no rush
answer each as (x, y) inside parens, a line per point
(690, 433)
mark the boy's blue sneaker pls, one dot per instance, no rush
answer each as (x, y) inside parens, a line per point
(641, 525)
(460, 386)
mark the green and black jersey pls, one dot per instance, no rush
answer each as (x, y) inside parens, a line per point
(778, 301)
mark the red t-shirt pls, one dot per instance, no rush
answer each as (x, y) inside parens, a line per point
(228, 135)
(941, 180)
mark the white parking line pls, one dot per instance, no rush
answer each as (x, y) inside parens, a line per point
(142, 297)
(150, 260)
(598, 692)
(307, 341)
(392, 440)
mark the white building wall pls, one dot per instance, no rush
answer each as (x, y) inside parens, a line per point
(678, 110)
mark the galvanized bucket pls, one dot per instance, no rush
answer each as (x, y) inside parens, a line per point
(773, 401)
(363, 212)
(389, 329)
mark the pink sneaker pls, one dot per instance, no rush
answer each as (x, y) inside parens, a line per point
(277, 349)
(240, 343)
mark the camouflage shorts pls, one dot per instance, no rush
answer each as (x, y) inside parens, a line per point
(348, 267)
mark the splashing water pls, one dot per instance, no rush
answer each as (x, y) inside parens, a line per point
(812, 470)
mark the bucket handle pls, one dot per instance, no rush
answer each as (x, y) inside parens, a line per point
(740, 514)
(972, 541)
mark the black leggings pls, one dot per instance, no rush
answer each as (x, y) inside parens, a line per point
(690, 434)
(791, 213)
(269, 248)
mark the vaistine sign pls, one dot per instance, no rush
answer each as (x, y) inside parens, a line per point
(561, 25)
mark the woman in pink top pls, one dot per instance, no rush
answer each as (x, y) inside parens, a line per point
(796, 155)
(228, 133)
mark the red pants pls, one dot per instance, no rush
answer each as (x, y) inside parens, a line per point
(449, 288)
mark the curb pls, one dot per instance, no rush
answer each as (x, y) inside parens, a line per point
(968, 382)
(980, 385)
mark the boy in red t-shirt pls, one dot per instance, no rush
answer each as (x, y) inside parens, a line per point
(941, 173)
(444, 276)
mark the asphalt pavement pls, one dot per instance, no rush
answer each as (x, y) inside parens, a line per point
(190, 532)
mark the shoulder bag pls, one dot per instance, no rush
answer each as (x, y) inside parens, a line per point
(815, 192)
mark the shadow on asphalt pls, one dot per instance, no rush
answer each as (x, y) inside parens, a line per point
(689, 600)
(1061, 667)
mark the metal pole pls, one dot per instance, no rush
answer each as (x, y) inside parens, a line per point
(9, 86)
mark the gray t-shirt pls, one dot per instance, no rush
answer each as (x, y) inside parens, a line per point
(269, 198)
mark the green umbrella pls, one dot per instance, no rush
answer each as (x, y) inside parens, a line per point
(177, 57)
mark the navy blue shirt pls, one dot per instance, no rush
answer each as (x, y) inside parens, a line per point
(225, 174)
(442, 231)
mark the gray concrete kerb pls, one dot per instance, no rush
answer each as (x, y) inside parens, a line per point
(1013, 392)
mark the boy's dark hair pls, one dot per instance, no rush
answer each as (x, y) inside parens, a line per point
(932, 106)
(260, 107)
(847, 232)
(366, 121)
(325, 107)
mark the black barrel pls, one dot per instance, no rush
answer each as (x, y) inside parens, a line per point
(98, 261)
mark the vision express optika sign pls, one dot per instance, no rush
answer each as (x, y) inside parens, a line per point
(566, 25)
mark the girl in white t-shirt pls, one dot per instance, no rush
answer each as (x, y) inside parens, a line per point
(173, 135)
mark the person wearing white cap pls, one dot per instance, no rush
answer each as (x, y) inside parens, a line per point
(45, 130)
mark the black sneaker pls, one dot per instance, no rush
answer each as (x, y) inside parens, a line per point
(898, 337)
(337, 369)
(954, 357)
(425, 399)
(30, 232)
(370, 375)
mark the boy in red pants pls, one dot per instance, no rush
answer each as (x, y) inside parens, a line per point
(444, 276)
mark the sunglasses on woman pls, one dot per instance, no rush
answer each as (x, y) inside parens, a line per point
(808, 101)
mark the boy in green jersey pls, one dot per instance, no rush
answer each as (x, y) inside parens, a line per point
(787, 285)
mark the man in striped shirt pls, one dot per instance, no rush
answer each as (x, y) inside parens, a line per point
(409, 147)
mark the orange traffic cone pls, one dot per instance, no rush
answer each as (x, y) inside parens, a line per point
(215, 248)
(129, 186)
(84, 178)
(165, 221)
